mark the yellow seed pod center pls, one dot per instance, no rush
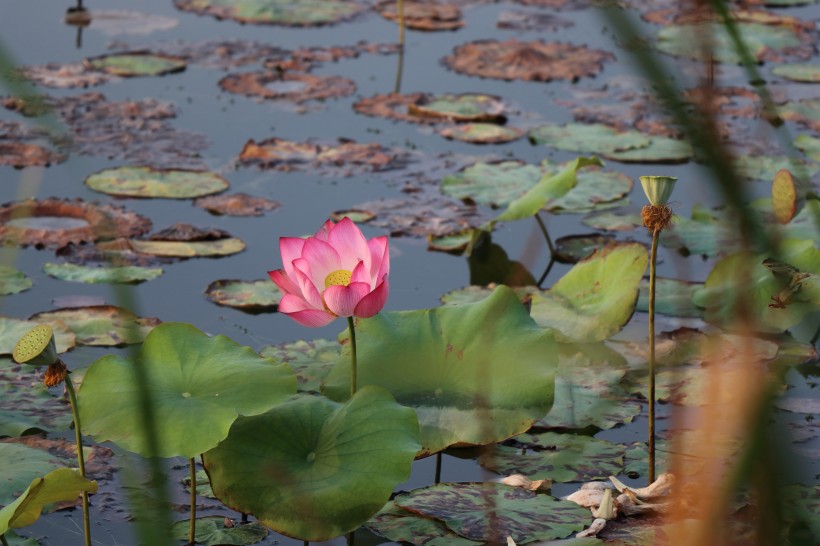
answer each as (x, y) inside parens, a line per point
(33, 343)
(340, 277)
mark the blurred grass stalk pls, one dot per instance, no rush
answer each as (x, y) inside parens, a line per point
(739, 389)
(150, 504)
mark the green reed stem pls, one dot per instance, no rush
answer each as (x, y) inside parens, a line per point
(400, 67)
(352, 355)
(75, 411)
(192, 529)
(546, 233)
(438, 468)
(652, 261)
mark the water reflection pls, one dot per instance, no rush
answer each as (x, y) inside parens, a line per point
(489, 263)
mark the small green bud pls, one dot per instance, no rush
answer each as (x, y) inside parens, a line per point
(658, 188)
(37, 347)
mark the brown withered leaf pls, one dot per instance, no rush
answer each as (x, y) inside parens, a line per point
(427, 108)
(118, 252)
(56, 222)
(531, 61)
(99, 461)
(237, 204)
(422, 214)
(65, 76)
(187, 232)
(221, 54)
(297, 87)
(422, 15)
(523, 20)
(22, 154)
(563, 4)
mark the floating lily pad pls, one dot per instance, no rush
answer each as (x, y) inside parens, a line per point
(311, 361)
(120, 22)
(203, 484)
(491, 512)
(560, 457)
(26, 406)
(150, 182)
(292, 86)
(673, 297)
(592, 138)
(804, 112)
(761, 167)
(420, 15)
(105, 325)
(613, 221)
(211, 531)
(399, 525)
(65, 76)
(237, 204)
(137, 63)
(13, 281)
(466, 388)
(301, 13)
(23, 154)
(481, 133)
(249, 296)
(465, 107)
(572, 249)
(347, 156)
(12, 329)
(298, 467)
(22, 464)
(801, 505)
(455, 243)
(809, 145)
(533, 61)
(529, 21)
(357, 215)
(57, 222)
(596, 298)
(760, 39)
(199, 386)
(798, 72)
(660, 150)
(189, 249)
(87, 274)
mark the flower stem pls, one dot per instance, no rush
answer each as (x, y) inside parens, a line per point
(192, 530)
(72, 397)
(546, 234)
(352, 355)
(438, 468)
(400, 67)
(652, 261)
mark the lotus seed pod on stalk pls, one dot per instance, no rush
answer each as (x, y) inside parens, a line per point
(657, 214)
(37, 347)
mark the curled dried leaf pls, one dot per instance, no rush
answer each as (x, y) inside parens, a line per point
(593, 530)
(519, 480)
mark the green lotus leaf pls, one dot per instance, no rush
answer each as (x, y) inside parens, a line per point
(211, 531)
(559, 457)
(190, 249)
(494, 184)
(16, 540)
(491, 512)
(613, 221)
(588, 138)
(455, 243)
(473, 294)
(763, 167)
(399, 525)
(481, 133)
(659, 150)
(677, 40)
(809, 145)
(137, 63)
(358, 216)
(311, 361)
(11, 330)
(801, 506)
(275, 12)
(777, 296)
(63, 484)
(107, 274)
(26, 406)
(203, 485)
(150, 182)
(596, 298)
(249, 296)
(673, 297)
(20, 465)
(13, 281)
(103, 325)
(572, 249)
(314, 469)
(588, 391)
(459, 367)
(465, 107)
(798, 72)
(199, 385)
(804, 111)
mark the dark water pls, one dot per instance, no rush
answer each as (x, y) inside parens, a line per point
(34, 33)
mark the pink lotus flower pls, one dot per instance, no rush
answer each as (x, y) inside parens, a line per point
(335, 273)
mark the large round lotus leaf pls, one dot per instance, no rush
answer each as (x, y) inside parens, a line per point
(466, 107)
(26, 406)
(13, 281)
(763, 167)
(491, 512)
(20, 465)
(312, 468)
(211, 531)
(588, 391)
(11, 330)
(251, 296)
(150, 182)
(777, 296)
(596, 298)
(473, 294)
(62, 484)
(799, 72)
(137, 63)
(199, 385)
(481, 133)
(659, 150)
(311, 361)
(460, 368)
(673, 297)
(88, 274)
(189, 249)
(105, 325)
(588, 138)
(613, 221)
(560, 457)
(275, 12)
(759, 38)
(809, 145)
(399, 525)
